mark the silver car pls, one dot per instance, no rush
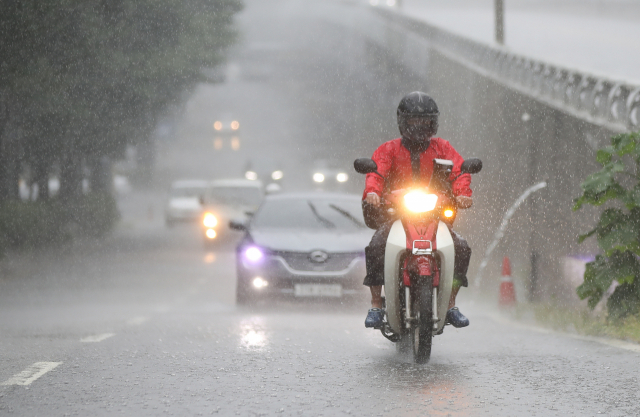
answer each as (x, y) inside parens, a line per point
(184, 203)
(303, 245)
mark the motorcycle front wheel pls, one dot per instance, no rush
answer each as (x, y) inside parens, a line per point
(422, 336)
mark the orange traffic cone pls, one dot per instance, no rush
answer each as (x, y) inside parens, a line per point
(507, 290)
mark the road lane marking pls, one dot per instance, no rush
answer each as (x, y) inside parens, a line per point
(95, 338)
(137, 321)
(32, 373)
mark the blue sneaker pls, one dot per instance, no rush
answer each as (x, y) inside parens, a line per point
(456, 318)
(374, 318)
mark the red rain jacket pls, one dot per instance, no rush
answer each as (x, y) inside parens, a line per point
(394, 163)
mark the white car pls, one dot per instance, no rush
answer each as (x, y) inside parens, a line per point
(226, 200)
(185, 202)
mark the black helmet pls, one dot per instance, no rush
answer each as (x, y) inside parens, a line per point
(418, 105)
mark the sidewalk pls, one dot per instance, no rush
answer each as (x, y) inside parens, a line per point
(597, 36)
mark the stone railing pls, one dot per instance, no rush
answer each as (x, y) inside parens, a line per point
(614, 104)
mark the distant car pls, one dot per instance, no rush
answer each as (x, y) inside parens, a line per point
(226, 124)
(328, 176)
(184, 203)
(303, 245)
(265, 169)
(226, 200)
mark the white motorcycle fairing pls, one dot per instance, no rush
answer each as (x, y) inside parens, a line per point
(395, 248)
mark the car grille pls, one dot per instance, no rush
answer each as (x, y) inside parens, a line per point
(301, 261)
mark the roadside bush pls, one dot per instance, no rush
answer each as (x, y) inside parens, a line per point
(618, 230)
(32, 224)
(95, 214)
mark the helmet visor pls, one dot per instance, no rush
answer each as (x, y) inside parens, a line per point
(420, 127)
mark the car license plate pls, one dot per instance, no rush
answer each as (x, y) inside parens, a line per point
(318, 290)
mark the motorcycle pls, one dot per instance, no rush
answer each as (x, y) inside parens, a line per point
(419, 257)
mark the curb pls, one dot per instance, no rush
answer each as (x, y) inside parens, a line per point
(620, 344)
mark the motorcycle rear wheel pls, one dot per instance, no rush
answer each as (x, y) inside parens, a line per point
(422, 336)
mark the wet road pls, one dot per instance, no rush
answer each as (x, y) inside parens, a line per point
(145, 322)
(146, 325)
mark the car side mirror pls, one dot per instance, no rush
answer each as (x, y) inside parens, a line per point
(237, 225)
(471, 166)
(365, 165)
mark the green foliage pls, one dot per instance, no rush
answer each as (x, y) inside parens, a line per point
(572, 319)
(32, 224)
(27, 225)
(93, 71)
(618, 230)
(84, 78)
(95, 214)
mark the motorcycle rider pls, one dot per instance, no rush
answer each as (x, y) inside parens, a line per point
(405, 162)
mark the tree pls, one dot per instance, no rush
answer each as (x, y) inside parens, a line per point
(618, 230)
(79, 80)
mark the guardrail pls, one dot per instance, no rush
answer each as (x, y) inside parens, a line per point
(610, 103)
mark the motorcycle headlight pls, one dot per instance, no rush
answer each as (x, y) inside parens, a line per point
(210, 220)
(419, 201)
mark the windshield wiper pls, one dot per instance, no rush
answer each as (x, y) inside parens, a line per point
(349, 216)
(326, 223)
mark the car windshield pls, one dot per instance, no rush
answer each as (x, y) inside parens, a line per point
(187, 192)
(314, 213)
(246, 196)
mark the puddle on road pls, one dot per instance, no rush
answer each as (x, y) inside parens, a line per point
(252, 333)
(210, 258)
(442, 388)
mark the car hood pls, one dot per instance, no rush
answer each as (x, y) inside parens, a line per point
(307, 241)
(231, 212)
(185, 203)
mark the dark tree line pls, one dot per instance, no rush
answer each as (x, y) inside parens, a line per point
(82, 79)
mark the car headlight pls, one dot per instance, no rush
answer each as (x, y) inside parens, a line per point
(260, 282)
(210, 220)
(419, 201)
(342, 177)
(253, 254)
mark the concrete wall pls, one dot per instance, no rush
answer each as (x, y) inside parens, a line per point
(526, 128)
(522, 142)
